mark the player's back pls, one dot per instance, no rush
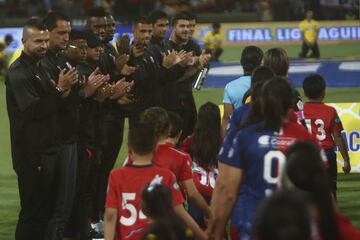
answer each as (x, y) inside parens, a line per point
(321, 120)
(124, 193)
(204, 180)
(260, 153)
(176, 161)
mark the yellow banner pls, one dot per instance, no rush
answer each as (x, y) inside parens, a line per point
(349, 114)
(237, 34)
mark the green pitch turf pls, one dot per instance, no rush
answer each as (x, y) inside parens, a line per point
(344, 51)
(349, 186)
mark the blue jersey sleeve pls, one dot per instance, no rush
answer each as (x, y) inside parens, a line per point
(227, 98)
(237, 117)
(231, 151)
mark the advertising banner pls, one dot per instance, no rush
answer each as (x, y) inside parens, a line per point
(235, 34)
(349, 114)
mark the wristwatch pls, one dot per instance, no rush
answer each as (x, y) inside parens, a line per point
(59, 89)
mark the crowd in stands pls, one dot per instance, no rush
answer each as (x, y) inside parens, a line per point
(125, 10)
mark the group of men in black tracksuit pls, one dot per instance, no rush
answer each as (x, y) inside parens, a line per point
(171, 64)
(67, 97)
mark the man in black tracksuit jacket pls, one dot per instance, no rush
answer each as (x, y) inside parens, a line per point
(53, 62)
(181, 89)
(102, 25)
(32, 101)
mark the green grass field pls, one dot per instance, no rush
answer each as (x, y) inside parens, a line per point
(349, 186)
(343, 51)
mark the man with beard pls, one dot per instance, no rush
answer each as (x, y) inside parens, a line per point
(32, 100)
(192, 44)
(151, 65)
(146, 80)
(180, 40)
(110, 118)
(160, 28)
(115, 117)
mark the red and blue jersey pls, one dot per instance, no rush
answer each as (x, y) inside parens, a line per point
(322, 121)
(260, 153)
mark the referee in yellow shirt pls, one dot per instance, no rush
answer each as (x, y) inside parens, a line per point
(212, 42)
(309, 29)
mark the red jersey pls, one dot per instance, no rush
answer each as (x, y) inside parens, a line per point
(185, 146)
(346, 230)
(322, 121)
(204, 180)
(176, 161)
(124, 194)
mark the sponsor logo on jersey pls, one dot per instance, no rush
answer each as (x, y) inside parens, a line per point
(176, 186)
(275, 141)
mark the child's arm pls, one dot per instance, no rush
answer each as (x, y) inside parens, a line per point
(189, 221)
(339, 141)
(194, 195)
(110, 218)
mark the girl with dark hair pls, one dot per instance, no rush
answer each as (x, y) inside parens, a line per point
(206, 140)
(278, 60)
(165, 223)
(283, 216)
(205, 145)
(166, 156)
(252, 166)
(305, 171)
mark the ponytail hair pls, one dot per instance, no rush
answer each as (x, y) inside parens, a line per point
(157, 204)
(272, 106)
(206, 141)
(305, 170)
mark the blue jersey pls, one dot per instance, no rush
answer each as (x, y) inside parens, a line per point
(260, 154)
(237, 117)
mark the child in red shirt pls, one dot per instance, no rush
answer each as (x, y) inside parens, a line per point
(167, 156)
(324, 123)
(124, 218)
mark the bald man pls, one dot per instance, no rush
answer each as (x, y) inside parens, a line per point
(32, 99)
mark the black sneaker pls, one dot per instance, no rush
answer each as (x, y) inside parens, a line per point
(93, 234)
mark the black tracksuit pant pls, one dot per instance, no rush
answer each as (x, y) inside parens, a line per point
(65, 175)
(35, 174)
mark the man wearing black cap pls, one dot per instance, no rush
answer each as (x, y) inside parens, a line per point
(76, 53)
(91, 135)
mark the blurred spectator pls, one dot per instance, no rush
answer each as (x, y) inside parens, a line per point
(8, 39)
(9, 49)
(350, 15)
(212, 42)
(280, 10)
(309, 29)
(264, 10)
(126, 10)
(3, 61)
